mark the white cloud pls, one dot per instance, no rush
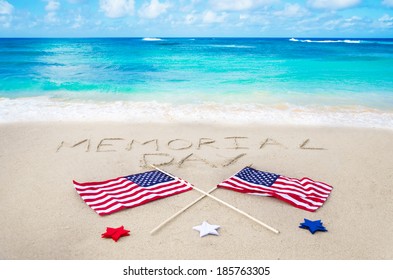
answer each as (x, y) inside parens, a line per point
(78, 21)
(5, 8)
(292, 10)
(244, 17)
(262, 20)
(187, 5)
(388, 3)
(386, 21)
(352, 21)
(4, 21)
(51, 17)
(117, 8)
(32, 24)
(52, 6)
(211, 17)
(239, 5)
(332, 24)
(324, 21)
(153, 9)
(333, 4)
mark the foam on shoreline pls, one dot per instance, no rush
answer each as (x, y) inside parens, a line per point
(41, 109)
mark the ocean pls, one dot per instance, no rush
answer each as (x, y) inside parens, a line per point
(313, 81)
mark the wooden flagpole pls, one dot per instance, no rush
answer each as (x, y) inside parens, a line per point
(226, 204)
(180, 211)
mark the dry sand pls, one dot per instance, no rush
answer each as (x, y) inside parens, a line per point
(43, 217)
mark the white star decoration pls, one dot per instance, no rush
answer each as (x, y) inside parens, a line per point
(205, 228)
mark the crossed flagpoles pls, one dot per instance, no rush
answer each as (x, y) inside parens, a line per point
(109, 196)
(212, 197)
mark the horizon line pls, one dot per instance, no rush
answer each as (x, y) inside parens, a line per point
(188, 37)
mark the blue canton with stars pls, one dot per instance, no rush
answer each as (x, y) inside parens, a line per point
(254, 176)
(149, 178)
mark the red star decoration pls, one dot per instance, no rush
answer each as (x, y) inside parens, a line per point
(115, 233)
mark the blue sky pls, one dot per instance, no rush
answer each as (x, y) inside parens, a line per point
(196, 18)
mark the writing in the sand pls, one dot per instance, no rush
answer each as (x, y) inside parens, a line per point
(221, 152)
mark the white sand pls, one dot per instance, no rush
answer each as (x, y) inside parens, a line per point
(43, 217)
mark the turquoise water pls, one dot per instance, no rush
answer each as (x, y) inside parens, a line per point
(298, 71)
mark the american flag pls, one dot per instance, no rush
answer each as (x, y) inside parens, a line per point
(112, 195)
(302, 193)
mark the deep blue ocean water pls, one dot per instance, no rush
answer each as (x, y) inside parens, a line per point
(186, 70)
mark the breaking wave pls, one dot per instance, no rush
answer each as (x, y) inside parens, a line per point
(49, 109)
(151, 39)
(326, 41)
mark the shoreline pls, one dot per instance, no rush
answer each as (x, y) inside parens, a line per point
(39, 161)
(42, 109)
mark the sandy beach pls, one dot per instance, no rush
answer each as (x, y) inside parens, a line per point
(43, 217)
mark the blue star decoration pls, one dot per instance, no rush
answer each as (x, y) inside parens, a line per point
(205, 228)
(313, 226)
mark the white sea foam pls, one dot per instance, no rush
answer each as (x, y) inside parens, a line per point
(47, 109)
(151, 39)
(352, 41)
(326, 41)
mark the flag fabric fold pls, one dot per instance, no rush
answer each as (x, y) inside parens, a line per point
(107, 197)
(304, 193)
